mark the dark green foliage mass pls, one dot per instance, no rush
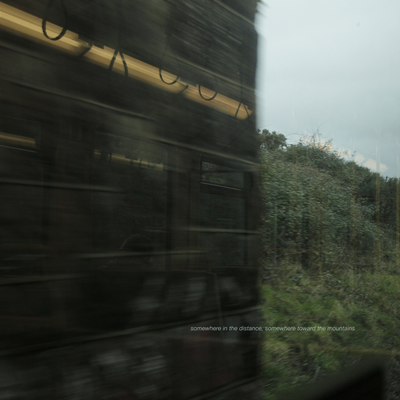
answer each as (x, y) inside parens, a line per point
(322, 211)
(271, 140)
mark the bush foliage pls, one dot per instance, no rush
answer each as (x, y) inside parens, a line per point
(322, 211)
(331, 255)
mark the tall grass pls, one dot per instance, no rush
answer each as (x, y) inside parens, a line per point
(329, 260)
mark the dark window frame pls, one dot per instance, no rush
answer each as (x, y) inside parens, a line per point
(228, 191)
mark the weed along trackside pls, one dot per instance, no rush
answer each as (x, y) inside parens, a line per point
(329, 302)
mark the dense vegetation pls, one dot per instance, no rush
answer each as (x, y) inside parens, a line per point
(330, 256)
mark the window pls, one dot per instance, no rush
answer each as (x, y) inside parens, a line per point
(222, 214)
(20, 174)
(138, 206)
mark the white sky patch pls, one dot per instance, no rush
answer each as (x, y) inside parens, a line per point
(331, 67)
(373, 166)
(359, 158)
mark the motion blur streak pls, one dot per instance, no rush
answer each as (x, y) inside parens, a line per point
(25, 24)
(129, 207)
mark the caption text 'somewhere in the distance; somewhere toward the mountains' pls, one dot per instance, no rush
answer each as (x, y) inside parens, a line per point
(273, 328)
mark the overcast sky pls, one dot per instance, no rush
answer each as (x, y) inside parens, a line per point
(333, 67)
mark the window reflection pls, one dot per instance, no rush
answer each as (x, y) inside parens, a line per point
(136, 168)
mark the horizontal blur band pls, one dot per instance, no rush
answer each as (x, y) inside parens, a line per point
(22, 23)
